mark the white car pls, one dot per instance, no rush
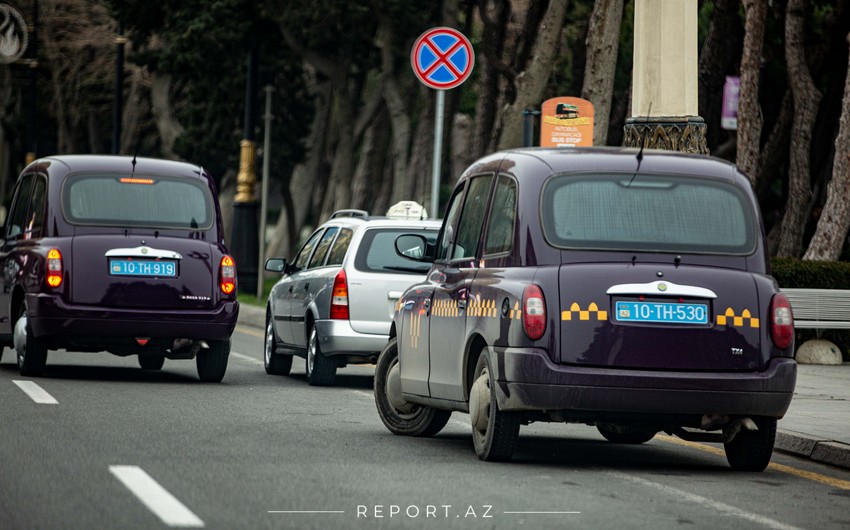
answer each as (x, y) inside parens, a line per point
(335, 300)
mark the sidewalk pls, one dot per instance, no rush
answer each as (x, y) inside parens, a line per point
(816, 426)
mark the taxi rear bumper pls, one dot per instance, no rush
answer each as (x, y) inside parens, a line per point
(527, 380)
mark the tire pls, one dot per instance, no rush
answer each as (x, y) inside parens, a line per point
(626, 434)
(31, 352)
(212, 362)
(275, 363)
(751, 450)
(321, 370)
(402, 417)
(494, 432)
(151, 362)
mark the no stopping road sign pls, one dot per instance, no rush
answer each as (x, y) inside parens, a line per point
(442, 58)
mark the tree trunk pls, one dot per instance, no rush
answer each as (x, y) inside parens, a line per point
(749, 113)
(806, 101)
(531, 83)
(720, 51)
(834, 221)
(166, 124)
(603, 40)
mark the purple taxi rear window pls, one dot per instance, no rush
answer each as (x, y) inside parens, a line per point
(649, 213)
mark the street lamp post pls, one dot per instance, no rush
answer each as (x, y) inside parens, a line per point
(32, 119)
(664, 80)
(244, 243)
(120, 41)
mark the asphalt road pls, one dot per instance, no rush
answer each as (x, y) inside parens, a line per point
(99, 443)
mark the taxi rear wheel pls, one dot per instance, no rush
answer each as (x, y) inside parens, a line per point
(494, 432)
(212, 362)
(400, 416)
(151, 362)
(626, 434)
(321, 370)
(275, 363)
(31, 352)
(751, 450)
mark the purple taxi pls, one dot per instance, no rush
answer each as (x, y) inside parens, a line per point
(622, 289)
(117, 254)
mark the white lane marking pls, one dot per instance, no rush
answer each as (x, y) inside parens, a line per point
(708, 503)
(158, 500)
(246, 357)
(38, 394)
(363, 393)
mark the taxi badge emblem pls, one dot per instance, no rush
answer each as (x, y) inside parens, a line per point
(144, 250)
(662, 287)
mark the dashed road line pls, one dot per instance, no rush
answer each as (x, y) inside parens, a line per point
(36, 393)
(246, 358)
(158, 500)
(715, 506)
(250, 331)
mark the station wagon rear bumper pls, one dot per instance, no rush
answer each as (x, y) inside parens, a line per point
(50, 316)
(337, 337)
(527, 380)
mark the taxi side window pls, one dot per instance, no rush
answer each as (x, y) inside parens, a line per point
(340, 247)
(472, 218)
(318, 258)
(304, 255)
(18, 214)
(35, 216)
(447, 236)
(500, 228)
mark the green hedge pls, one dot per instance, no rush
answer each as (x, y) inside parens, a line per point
(811, 274)
(815, 275)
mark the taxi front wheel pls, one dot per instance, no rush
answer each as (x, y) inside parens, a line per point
(399, 415)
(494, 432)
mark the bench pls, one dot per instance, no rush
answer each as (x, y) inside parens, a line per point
(820, 308)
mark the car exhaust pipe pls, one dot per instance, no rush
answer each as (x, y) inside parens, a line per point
(729, 432)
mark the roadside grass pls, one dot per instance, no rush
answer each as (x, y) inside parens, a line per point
(251, 298)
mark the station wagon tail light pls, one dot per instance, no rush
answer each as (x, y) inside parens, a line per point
(228, 275)
(781, 322)
(339, 297)
(54, 267)
(533, 312)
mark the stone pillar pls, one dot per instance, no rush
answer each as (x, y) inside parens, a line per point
(664, 78)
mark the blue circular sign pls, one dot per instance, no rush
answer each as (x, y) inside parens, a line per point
(442, 58)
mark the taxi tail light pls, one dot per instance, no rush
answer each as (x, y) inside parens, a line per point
(227, 273)
(533, 312)
(339, 297)
(781, 322)
(54, 268)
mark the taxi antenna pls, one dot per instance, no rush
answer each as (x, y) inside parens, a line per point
(640, 152)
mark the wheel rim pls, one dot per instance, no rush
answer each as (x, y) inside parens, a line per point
(267, 354)
(311, 352)
(479, 403)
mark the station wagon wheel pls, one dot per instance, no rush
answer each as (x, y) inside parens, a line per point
(400, 416)
(31, 352)
(321, 370)
(626, 434)
(494, 432)
(151, 362)
(275, 363)
(212, 362)
(751, 450)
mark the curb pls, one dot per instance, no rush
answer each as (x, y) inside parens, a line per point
(814, 448)
(803, 445)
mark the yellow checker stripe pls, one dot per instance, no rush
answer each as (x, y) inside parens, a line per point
(745, 319)
(584, 314)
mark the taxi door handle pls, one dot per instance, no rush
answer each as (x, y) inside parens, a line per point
(461, 304)
(426, 303)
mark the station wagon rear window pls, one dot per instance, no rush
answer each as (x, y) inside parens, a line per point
(662, 213)
(138, 200)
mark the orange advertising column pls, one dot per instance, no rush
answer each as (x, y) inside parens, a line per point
(566, 122)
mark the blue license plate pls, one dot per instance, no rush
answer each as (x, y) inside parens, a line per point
(141, 267)
(664, 312)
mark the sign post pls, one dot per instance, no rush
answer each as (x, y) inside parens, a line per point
(442, 58)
